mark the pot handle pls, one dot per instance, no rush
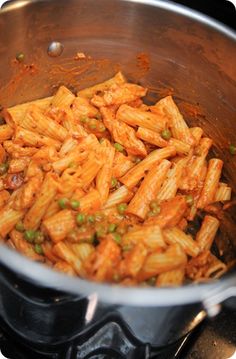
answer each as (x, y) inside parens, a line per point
(213, 302)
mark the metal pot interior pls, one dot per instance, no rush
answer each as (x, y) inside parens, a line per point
(165, 47)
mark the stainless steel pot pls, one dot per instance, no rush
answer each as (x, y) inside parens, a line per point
(184, 53)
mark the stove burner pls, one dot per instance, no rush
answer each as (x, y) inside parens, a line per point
(211, 339)
(109, 342)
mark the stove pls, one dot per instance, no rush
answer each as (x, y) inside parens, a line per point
(212, 339)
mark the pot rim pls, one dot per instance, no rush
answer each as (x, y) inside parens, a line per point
(169, 6)
(115, 294)
(39, 274)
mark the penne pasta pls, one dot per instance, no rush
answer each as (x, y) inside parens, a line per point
(59, 225)
(171, 212)
(18, 112)
(139, 204)
(74, 157)
(171, 278)
(82, 108)
(211, 183)
(121, 165)
(6, 133)
(36, 121)
(151, 137)
(118, 95)
(45, 196)
(82, 250)
(103, 186)
(4, 197)
(89, 170)
(64, 267)
(17, 151)
(8, 219)
(63, 98)
(197, 133)
(177, 124)
(122, 194)
(172, 182)
(89, 92)
(134, 260)
(181, 147)
(104, 176)
(29, 138)
(223, 193)
(157, 263)
(207, 232)
(135, 117)
(24, 247)
(151, 236)
(175, 235)
(91, 202)
(17, 165)
(63, 251)
(133, 176)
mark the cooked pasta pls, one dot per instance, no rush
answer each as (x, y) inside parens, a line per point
(100, 185)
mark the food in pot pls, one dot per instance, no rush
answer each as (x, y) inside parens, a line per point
(103, 186)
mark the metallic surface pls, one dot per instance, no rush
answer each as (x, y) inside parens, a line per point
(55, 49)
(187, 55)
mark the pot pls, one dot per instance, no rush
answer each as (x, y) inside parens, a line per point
(171, 50)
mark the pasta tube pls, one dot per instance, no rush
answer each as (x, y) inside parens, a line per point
(139, 205)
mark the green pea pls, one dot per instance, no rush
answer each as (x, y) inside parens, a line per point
(92, 126)
(83, 119)
(20, 227)
(154, 205)
(80, 219)
(156, 210)
(112, 227)
(63, 202)
(74, 204)
(114, 182)
(118, 147)
(90, 218)
(117, 238)
(39, 237)
(71, 165)
(189, 200)
(38, 249)
(29, 235)
(121, 208)
(101, 232)
(3, 168)
(126, 248)
(20, 56)
(166, 134)
(150, 214)
(232, 149)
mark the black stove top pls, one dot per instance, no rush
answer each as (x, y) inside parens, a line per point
(212, 339)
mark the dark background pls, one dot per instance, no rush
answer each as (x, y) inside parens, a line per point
(222, 10)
